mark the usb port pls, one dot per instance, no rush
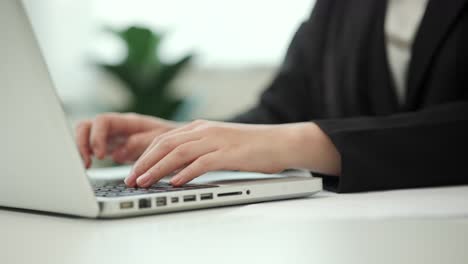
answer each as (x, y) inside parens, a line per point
(161, 201)
(144, 203)
(126, 205)
(189, 198)
(174, 199)
(206, 196)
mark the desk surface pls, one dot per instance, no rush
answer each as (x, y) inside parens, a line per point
(211, 237)
(381, 227)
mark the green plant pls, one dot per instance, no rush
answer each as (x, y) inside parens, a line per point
(147, 77)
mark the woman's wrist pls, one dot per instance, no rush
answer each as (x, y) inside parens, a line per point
(308, 147)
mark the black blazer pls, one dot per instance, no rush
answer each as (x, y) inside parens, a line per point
(336, 74)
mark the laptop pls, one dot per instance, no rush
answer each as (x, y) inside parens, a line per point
(41, 168)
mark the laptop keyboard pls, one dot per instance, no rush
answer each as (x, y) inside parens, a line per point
(120, 190)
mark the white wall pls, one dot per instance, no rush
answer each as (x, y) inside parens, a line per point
(225, 34)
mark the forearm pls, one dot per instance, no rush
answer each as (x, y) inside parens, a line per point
(308, 147)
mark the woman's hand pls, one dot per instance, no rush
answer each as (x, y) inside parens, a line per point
(203, 146)
(123, 136)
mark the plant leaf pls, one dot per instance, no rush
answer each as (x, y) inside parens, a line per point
(124, 75)
(168, 72)
(142, 45)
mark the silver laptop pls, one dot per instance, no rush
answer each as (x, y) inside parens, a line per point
(40, 166)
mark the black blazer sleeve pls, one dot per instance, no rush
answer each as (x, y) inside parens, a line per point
(416, 149)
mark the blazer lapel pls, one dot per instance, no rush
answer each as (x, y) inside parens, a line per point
(382, 90)
(438, 19)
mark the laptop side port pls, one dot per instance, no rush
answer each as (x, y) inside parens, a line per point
(206, 196)
(229, 194)
(144, 203)
(126, 205)
(190, 198)
(174, 199)
(161, 201)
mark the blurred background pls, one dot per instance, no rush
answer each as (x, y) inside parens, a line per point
(198, 59)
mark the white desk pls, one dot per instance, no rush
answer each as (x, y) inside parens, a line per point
(406, 226)
(213, 236)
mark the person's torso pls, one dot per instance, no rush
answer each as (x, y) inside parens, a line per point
(356, 76)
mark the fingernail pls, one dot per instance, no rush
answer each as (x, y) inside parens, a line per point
(127, 181)
(130, 179)
(143, 179)
(176, 180)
